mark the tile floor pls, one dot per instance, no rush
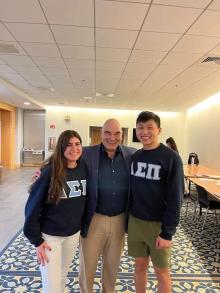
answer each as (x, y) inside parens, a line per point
(13, 195)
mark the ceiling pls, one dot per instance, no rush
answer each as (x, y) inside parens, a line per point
(147, 53)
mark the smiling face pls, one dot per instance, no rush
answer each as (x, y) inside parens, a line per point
(73, 151)
(111, 135)
(147, 133)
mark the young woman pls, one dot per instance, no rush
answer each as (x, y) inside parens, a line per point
(171, 144)
(54, 211)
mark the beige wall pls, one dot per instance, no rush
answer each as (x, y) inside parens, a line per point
(82, 119)
(203, 135)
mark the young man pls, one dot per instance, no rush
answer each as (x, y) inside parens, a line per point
(157, 192)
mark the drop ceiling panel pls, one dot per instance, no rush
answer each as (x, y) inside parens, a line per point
(80, 64)
(215, 5)
(105, 88)
(142, 56)
(41, 49)
(184, 3)
(114, 66)
(72, 35)
(112, 54)
(77, 12)
(116, 16)
(160, 77)
(40, 79)
(31, 32)
(49, 62)
(115, 38)
(41, 85)
(135, 75)
(6, 69)
(17, 60)
(61, 82)
(106, 83)
(144, 68)
(88, 84)
(108, 74)
(77, 52)
(21, 11)
(53, 71)
(106, 80)
(128, 84)
(206, 24)
(156, 41)
(134, 1)
(196, 44)
(83, 74)
(196, 72)
(171, 19)
(215, 51)
(28, 70)
(184, 59)
(187, 78)
(4, 34)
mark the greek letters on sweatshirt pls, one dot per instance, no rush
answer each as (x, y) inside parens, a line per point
(62, 219)
(157, 187)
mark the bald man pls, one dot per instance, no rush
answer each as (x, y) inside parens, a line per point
(104, 225)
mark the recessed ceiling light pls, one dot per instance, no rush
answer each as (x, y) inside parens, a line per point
(87, 98)
(27, 103)
(110, 95)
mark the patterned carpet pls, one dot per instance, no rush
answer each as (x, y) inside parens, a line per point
(195, 264)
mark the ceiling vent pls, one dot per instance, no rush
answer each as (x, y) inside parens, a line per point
(6, 48)
(212, 59)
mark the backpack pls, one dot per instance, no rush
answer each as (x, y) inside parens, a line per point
(193, 159)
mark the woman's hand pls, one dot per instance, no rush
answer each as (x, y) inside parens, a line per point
(41, 253)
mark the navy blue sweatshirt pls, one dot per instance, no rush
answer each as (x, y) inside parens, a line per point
(157, 184)
(62, 219)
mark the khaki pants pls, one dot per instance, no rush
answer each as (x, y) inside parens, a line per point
(105, 237)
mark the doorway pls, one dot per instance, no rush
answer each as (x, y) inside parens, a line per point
(7, 135)
(95, 135)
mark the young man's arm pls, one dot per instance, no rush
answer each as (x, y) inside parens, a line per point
(174, 198)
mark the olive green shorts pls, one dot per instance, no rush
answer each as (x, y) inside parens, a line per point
(141, 242)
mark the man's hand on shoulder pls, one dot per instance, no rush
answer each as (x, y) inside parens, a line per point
(36, 175)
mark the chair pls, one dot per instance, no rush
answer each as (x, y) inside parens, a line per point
(205, 202)
(190, 197)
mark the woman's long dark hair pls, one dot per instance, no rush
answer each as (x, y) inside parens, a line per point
(172, 144)
(59, 164)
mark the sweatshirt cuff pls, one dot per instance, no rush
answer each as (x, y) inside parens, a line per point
(165, 235)
(38, 242)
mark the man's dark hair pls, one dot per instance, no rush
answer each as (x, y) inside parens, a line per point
(145, 116)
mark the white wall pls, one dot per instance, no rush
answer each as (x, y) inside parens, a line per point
(81, 119)
(19, 136)
(203, 135)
